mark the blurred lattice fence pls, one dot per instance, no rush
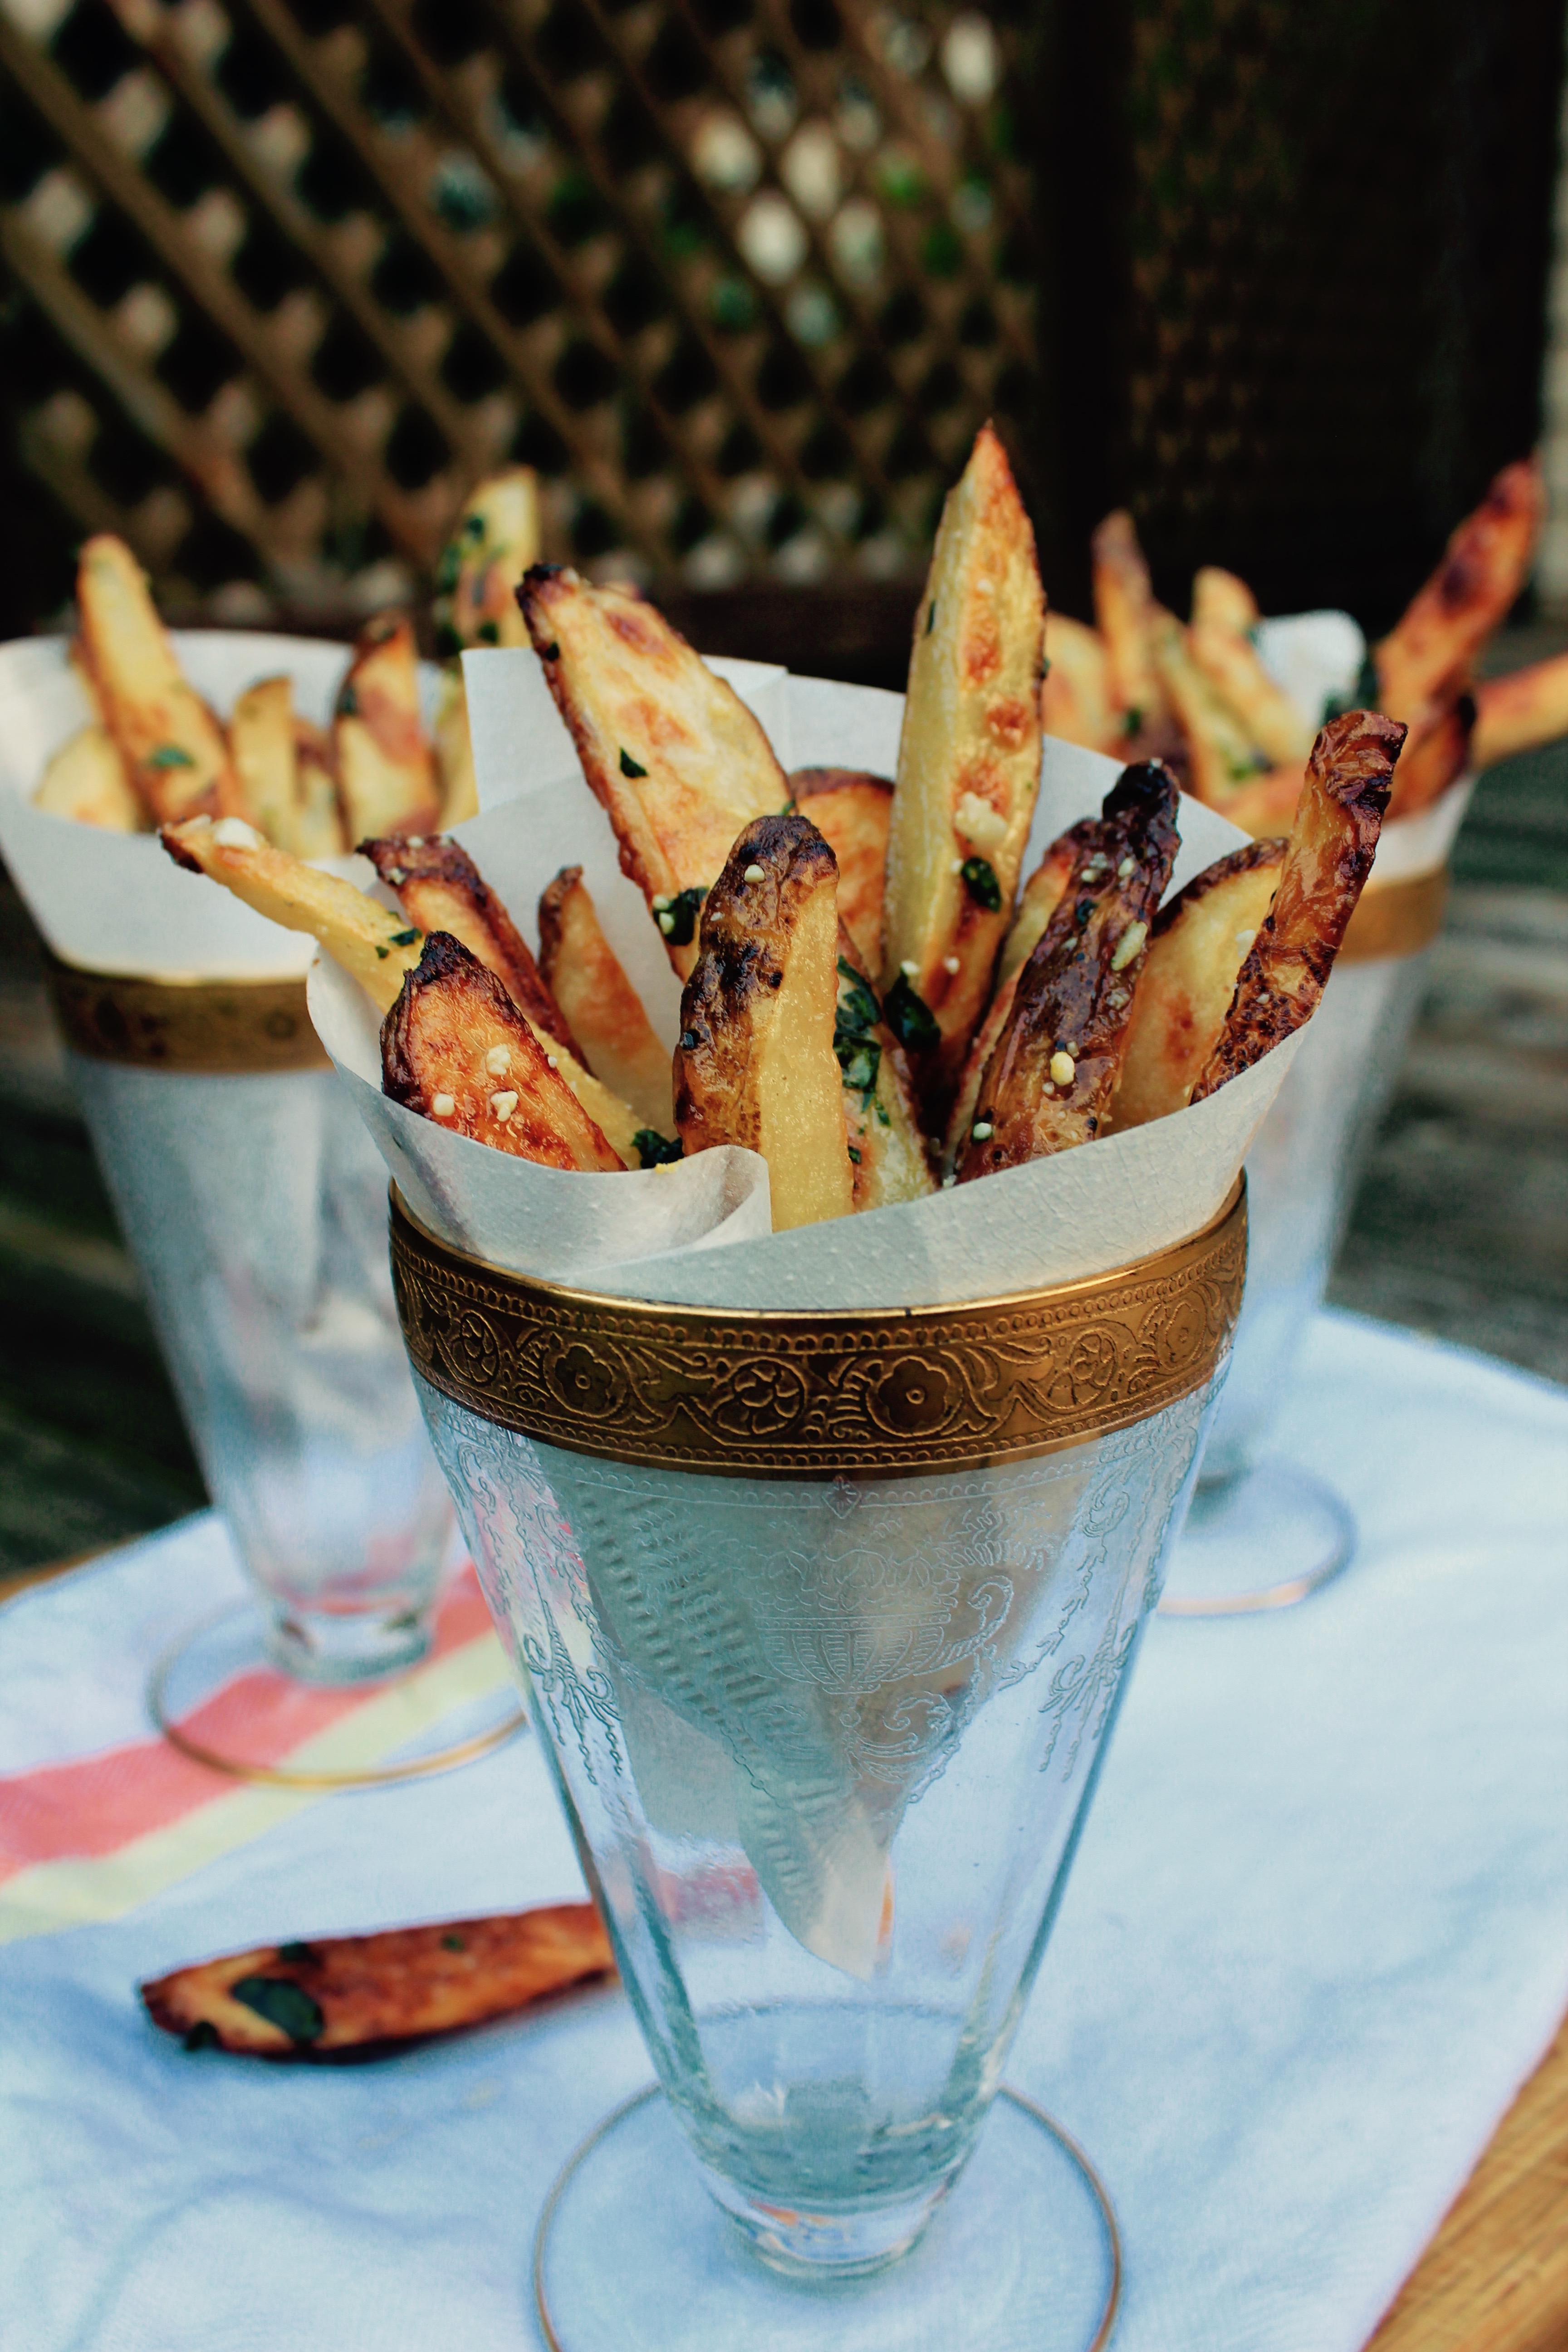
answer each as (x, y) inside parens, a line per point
(740, 276)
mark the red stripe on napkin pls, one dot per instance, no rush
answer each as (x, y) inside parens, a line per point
(95, 1804)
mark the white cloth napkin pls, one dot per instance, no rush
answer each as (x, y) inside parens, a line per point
(1316, 1937)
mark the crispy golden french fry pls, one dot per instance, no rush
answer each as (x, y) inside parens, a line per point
(86, 781)
(969, 770)
(317, 819)
(1268, 717)
(440, 887)
(1124, 612)
(1436, 752)
(81, 668)
(342, 1992)
(1521, 711)
(1430, 649)
(852, 811)
(1329, 856)
(377, 946)
(454, 751)
(1184, 992)
(585, 975)
(1221, 601)
(495, 541)
(671, 751)
(1038, 902)
(1074, 699)
(261, 743)
(756, 1065)
(456, 1048)
(1221, 755)
(1050, 1080)
(386, 774)
(172, 747)
(887, 1151)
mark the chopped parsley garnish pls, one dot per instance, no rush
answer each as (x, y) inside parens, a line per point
(930, 618)
(301, 1954)
(979, 878)
(474, 529)
(854, 1155)
(910, 1017)
(448, 643)
(453, 1943)
(282, 2004)
(859, 1053)
(489, 633)
(678, 921)
(383, 952)
(652, 1150)
(448, 569)
(169, 755)
(348, 703)
(203, 2035)
(403, 938)
(552, 653)
(629, 766)
(1133, 720)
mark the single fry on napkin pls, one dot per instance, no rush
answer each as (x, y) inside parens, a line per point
(341, 1992)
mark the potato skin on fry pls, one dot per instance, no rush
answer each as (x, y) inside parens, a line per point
(755, 1064)
(1437, 750)
(1484, 567)
(1188, 980)
(1055, 1068)
(443, 1042)
(1329, 856)
(172, 747)
(969, 770)
(852, 811)
(1125, 615)
(585, 976)
(671, 750)
(1520, 711)
(387, 772)
(440, 888)
(351, 1991)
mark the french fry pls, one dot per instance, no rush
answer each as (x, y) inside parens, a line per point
(1221, 601)
(672, 752)
(344, 1992)
(756, 1065)
(1229, 660)
(386, 774)
(456, 1048)
(969, 770)
(439, 888)
(1196, 951)
(495, 541)
(1221, 753)
(1437, 750)
(1125, 614)
(455, 752)
(1330, 851)
(172, 747)
(887, 1151)
(1075, 697)
(1038, 902)
(317, 820)
(1521, 711)
(585, 975)
(86, 780)
(261, 743)
(1430, 649)
(1050, 1080)
(376, 945)
(852, 812)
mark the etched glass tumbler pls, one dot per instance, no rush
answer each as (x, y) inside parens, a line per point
(826, 1621)
(256, 1211)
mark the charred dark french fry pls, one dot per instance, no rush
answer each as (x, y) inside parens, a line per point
(345, 1992)
(1428, 652)
(456, 1048)
(1188, 980)
(440, 887)
(852, 812)
(756, 1065)
(1331, 847)
(1055, 1068)
(671, 751)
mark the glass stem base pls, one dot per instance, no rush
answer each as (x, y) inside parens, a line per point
(361, 1645)
(1264, 1538)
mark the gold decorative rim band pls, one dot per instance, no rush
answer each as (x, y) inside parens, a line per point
(787, 1395)
(1398, 922)
(222, 1027)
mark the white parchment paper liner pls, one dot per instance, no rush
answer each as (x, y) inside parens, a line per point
(1081, 1214)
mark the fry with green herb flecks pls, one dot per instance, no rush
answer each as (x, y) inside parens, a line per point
(172, 747)
(342, 1992)
(887, 1150)
(386, 772)
(495, 539)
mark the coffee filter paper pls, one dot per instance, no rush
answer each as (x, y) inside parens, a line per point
(116, 901)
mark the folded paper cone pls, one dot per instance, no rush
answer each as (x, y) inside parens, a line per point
(116, 902)
(1081, 1212)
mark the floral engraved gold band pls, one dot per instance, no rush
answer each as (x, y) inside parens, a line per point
(777, 1395)
(1398, 922)
(223, 1027)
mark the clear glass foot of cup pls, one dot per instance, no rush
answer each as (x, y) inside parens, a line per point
(1264, 1538)
(1022, 2254)
(319, 1645)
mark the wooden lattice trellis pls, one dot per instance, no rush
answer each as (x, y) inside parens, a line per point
(740, 276)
